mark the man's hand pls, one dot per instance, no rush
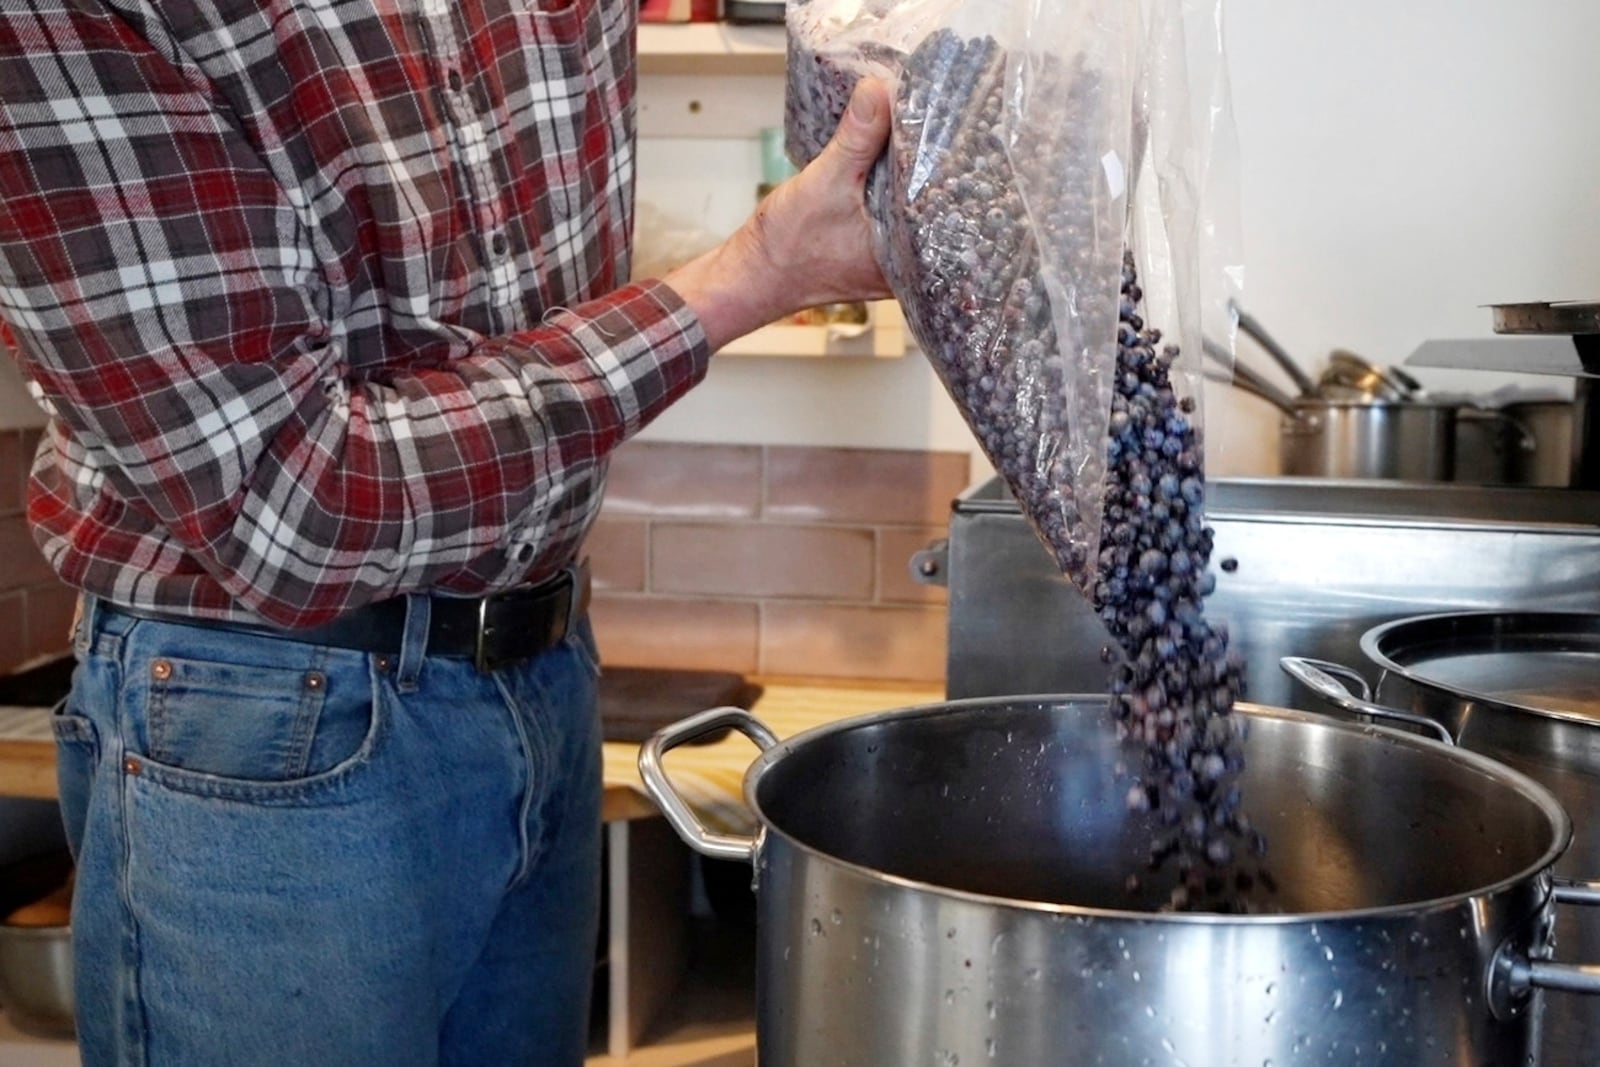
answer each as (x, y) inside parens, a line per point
(808, 243)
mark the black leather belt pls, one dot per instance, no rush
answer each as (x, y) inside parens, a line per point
(493, 631)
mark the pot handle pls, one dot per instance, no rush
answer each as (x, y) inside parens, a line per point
(1318, 676)
(672, 804)
(1526, 441)
(1514, 976)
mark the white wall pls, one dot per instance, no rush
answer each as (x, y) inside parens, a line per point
(1403, 163)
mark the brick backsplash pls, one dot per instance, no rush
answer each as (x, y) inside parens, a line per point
(36, 606)
(759, 559)
(773, 560)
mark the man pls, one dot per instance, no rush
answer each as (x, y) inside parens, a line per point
(327, 302)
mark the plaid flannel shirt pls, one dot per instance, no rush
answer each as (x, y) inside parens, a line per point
(326, 298)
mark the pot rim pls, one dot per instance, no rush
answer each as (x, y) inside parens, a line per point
(1374, 637)
(1561, 823)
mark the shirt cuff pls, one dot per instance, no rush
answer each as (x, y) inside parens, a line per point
(645, 342)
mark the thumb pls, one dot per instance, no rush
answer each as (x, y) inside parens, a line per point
(864, 127)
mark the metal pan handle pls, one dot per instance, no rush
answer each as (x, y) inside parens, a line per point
(672, 804)
(1514, 976)
(1572, 891)
(1318, 676)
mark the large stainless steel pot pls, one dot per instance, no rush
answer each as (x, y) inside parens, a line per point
(1522, 688)
(946, 885)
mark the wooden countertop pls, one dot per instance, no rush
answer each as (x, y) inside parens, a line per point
(709, 776)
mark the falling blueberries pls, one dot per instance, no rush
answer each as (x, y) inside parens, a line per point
(1175, 689)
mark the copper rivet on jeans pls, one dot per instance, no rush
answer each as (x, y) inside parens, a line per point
(161, 670)
(383, 664)
(132, 766)
(315, 680)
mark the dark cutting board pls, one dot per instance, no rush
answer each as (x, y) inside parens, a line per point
(635, 702)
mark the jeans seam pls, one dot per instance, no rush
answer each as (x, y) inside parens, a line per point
(534, 759)
(135, 1026)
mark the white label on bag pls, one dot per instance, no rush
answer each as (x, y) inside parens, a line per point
(1116, 176)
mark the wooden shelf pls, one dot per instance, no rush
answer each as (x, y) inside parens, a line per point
(883, 337)
(710, 48)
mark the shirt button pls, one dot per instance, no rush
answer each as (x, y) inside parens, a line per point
(499, 244)
(455, 81)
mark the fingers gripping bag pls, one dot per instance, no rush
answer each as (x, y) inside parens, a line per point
(1003, 207)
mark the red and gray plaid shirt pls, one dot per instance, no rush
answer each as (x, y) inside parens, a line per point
(326, 297)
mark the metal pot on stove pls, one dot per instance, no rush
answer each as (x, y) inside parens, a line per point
(946, 885)
(1358, 420)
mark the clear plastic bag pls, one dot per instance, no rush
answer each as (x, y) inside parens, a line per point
(1031, 144)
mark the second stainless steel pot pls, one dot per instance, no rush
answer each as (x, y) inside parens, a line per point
(1524, 689)
(1524, 443)
(1407, 440)
(1547, 425)
(945, 886)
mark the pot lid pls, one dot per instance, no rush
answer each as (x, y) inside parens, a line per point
(1350, 377)
(1546, 663)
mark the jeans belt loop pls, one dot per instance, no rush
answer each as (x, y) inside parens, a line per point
(414, 642)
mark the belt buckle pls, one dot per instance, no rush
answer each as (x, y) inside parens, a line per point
(480, 651)
(576, 573)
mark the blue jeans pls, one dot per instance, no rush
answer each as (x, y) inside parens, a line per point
(313, 857)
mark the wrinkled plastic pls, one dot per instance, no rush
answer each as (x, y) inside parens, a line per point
(1031, 142)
